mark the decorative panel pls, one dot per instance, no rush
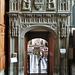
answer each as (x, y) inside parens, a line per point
(40, 19)
(62, 5)
(39, 4)
(51, 4)
(14, 27)
(26, 5)
(13, 5)
(63, 25)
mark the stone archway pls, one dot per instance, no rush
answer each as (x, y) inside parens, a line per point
(21, 47)
(51, 54)
(33, 27)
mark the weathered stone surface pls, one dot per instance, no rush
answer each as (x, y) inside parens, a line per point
(49, 15)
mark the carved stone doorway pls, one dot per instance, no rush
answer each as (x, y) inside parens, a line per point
(50, 39)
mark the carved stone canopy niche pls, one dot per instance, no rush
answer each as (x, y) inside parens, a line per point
(39, 5)
(51, 4)
(14, 26)
(63, 25)
(26, 5)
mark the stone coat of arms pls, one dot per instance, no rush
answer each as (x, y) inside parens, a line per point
(38, 4)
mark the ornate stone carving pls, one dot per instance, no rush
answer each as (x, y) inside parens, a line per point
(14, 28)
(39, 19)
(14, 5)
(51, 5)
(62, 24)
(13, 15)
(26, 5)
(63, 5)
(38, 4)
(24, 26)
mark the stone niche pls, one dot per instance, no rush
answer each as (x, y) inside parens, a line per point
(38, 5)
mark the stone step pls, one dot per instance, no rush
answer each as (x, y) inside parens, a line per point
(40, 74)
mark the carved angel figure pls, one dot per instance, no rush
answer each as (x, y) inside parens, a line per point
(25, 3)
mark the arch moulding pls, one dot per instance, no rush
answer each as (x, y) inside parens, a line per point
(33, 27)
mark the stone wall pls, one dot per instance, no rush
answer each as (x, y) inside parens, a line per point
(2, 37)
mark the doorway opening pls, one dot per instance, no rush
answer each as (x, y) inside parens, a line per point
(49, 38)
(37, 56)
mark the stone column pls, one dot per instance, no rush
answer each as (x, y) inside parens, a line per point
(67, 48)
(19, 53)
(22, 55)
(10, 51)
(58, 47)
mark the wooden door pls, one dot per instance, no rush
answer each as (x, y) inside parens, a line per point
(25, 55)
(51, 54)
